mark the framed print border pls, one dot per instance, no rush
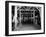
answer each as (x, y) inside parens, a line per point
(7, 17)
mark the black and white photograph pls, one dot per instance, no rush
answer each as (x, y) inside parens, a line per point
(24, 18)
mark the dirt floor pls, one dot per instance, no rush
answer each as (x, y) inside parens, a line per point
(28, 27)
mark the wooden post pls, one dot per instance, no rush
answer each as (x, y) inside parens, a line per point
(15, 17)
